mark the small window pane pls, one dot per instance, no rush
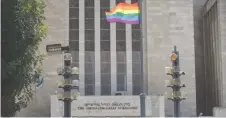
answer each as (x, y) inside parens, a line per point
(104, 24)
(105, 67)
(89, 35)
(105, 79)
(136, 56)
(89, 90)
(89, 68)
(75, 56)
(136, 90)
(89, 79)
(102, 12)
(121, 79)
(74, 35)
(105, 45)
(105, 56)
(136, 68)
(135, 35)
(120, 26)
(105, 35)
(89, 45)
(121, 87)
(89, 12)
(74, 23)
(74, 45)
(135, 26)
(104, 3)
(89, 23)
(121, 56)
(136, 80)
(121, 67)
(74, 3)
(120, 34)
(90, 56)
(120, 45)
(120, 1)
(89, 3)
(74, 13)
(105, 89)
(136, 45)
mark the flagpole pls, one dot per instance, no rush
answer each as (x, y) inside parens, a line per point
(143, 57)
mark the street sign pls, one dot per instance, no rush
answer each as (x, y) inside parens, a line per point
(108, 106)
(53, 48)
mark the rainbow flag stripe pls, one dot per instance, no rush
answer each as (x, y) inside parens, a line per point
(124, 13)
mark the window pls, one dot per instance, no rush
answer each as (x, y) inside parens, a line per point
(73, 34)
(135, 26)
(75, 56)
(136, 68)
(89, 79)
(89, 35)
(136, 84)
(120, 45)
(104, 24)
(89, 3)
(121, 56)
(74, 3)
(74, 13)
(105, 89)
(136, 45)
(74, 23)
(121, 87)
(136, 90)
(75, 64)
(89, 89)
(105, 35)
(102, 12)
(120, 1)
(121, 68)
(89, 45)
(104, 3)
(120, 26)
(74, 45)
(89, 68)
(90, 56)
(106, 79)
(121, 82)
(89, 12)
(120, 35)
(133, 1)
(121, 79)
(105, 67)
(105, 56)
(89, 23)
(136, 56)
(136, 35)
(136, 79)
(104, 45)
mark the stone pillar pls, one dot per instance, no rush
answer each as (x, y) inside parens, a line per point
(171, 23)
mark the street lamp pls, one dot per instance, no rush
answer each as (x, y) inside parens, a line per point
(67, 84)
(175, 83)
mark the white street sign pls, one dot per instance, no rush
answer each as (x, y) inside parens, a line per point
(111, 106)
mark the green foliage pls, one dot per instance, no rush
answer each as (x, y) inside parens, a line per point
(22, 30)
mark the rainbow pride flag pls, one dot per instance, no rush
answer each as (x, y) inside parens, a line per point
(124, 13)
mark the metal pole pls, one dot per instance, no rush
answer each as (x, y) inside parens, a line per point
(67, 105)
(176, 108)
(176, 89)
(143, 48)
(67, 102)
